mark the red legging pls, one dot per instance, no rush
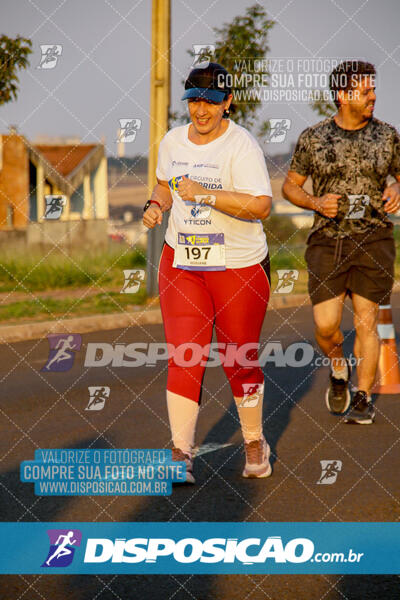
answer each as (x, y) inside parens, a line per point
(236, 299)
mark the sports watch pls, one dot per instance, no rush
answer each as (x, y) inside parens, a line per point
(146, 206)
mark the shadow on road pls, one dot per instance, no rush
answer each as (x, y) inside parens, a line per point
(221, 494)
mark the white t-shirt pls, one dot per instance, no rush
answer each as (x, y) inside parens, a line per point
(232, 162)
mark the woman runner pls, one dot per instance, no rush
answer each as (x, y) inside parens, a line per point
(214, 267)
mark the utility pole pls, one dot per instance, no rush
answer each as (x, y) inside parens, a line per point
(159, 105)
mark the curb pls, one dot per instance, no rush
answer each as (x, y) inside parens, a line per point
(34, 331)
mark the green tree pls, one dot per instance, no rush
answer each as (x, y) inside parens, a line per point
(241, 47)
(13, 56)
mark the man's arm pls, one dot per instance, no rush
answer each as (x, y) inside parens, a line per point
(293, 191)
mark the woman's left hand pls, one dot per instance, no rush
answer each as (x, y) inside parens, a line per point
(188, 189)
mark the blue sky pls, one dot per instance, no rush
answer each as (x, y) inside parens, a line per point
(103, 72)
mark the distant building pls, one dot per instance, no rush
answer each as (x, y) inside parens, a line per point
(29, 172)
(54, 140)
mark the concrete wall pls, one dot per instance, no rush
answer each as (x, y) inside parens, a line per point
(66, 234)
(71, 234)
(13, 240)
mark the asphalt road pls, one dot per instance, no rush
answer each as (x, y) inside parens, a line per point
(45, 410)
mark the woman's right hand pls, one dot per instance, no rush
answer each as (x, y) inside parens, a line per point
(152, 216)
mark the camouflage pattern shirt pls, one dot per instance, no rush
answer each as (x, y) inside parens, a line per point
(354, 163)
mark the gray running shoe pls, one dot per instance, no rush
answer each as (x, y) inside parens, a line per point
(179, 455)
(257, 459)
(361, 411)
(337, 395)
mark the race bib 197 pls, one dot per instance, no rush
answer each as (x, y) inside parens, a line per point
(200, 252)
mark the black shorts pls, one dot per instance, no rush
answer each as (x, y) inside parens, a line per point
(361, 264)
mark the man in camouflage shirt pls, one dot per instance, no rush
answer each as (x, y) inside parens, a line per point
(350, 248)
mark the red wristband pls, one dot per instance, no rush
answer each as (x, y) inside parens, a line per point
(155, 202)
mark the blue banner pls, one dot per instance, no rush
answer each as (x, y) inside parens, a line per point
(200, 548)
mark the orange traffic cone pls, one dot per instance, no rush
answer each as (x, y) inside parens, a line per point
(388, 376)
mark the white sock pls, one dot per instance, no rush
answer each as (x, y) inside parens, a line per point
(182, 414)
(339, 371)
(250, 414)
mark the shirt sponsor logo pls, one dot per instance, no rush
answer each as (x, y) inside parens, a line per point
(199, 210)
(199, 215)
(212, 186)
(197, 221)
(205, 166)
(174, 182)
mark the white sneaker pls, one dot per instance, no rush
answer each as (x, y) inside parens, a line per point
(257, 459)
(179, 455)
